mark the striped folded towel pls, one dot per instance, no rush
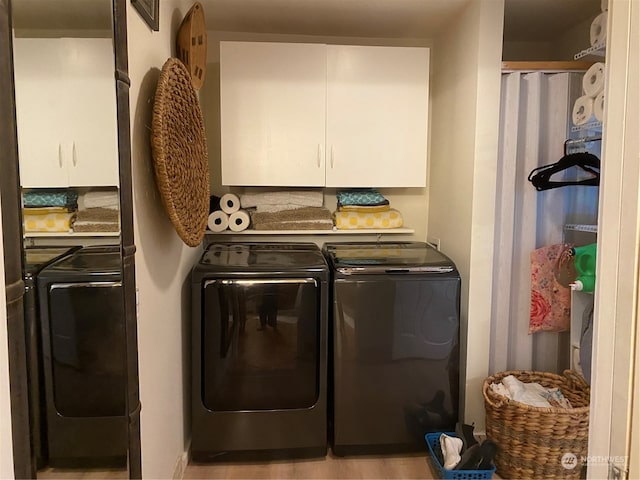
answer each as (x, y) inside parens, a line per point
(293, 198)
(307, 218)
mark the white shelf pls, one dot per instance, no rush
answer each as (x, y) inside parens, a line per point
(70, 234)
(599, 49)
(372, 231)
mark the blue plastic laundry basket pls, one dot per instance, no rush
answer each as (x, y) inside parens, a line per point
(433, 442)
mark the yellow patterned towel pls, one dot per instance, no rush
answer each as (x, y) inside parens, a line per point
(52, 222)
(355, 220)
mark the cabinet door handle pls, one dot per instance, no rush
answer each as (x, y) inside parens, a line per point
(73, 154)
(331, 156)
(60, 155)
(319, 155)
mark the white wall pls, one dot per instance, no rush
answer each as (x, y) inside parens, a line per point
(465, 102)
(162, 261)
(6, 449)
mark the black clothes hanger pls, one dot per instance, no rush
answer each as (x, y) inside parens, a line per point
(540, 177)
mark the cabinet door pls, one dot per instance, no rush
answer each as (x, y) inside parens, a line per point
(377, 109)
(39, 114)
(90, 99)
(272, 104)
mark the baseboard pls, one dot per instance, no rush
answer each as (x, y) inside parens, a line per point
(181, 465)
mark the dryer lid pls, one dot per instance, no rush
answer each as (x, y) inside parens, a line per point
(98, 261)
(36, 258)
(263, 256)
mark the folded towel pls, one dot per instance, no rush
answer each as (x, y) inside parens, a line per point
(368, 196)
(299, 198)
(50, 198)
(46, 210)
(364, 208)
(307, 218)
(357, 220)
(96, 226)
(277, 208)
(98, 215)
(301, 225)
(100, 199)
(51, 222)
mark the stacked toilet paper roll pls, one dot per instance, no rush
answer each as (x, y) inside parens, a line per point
(598, 31)
(598, 107)
(584, 108)
(230, 216)
(593, 80)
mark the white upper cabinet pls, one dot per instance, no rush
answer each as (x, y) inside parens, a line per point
(66, 112)
(323, 115)
(377, 106)
(272, 103)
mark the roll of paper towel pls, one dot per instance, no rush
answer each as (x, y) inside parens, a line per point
(598, 107)
(229, 203)
(239, 221)
(582, 110)
(598, 32)
(218, 221)
(593, 80)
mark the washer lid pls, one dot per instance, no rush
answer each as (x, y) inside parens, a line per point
(388, 257)
(263, 256)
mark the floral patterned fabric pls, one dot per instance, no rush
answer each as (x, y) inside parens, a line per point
(550, 301)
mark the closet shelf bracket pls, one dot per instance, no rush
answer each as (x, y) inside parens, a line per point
(598, 49)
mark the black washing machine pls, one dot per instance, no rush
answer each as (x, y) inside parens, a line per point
(395, 327)
(81, 307)
(259, 352)
(35, 259)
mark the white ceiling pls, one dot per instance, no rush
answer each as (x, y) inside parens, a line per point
(524, 19)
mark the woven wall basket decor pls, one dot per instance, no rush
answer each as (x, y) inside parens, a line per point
(179, 151)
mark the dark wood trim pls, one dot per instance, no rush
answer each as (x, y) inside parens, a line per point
(23, 460)
(24, 464)
(127, 243)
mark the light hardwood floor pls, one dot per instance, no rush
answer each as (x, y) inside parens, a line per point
(331, 467)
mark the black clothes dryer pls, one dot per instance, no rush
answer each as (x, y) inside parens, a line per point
(395, 327)
(35, 259)
(259, 352)
(82, 313)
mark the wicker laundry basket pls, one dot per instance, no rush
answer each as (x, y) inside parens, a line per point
(536, 442)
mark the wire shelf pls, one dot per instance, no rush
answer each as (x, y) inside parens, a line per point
(599, 49)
